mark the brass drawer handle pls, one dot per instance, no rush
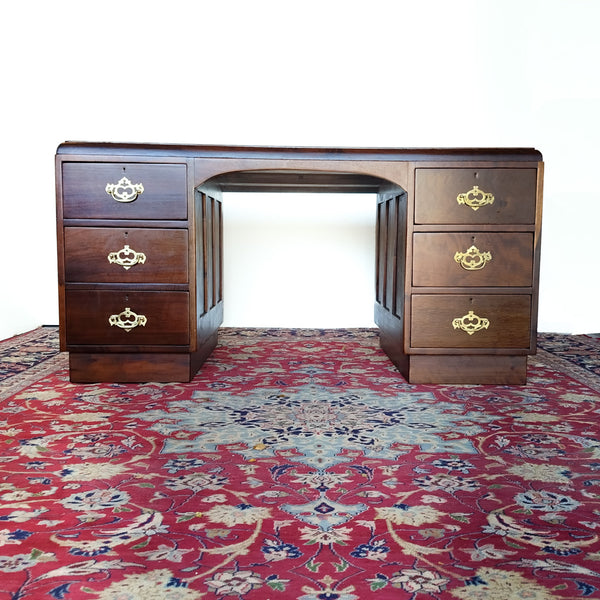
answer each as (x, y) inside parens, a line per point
(124, 190)
(473, 259)
(127, 320)
(475, 198)
(126, 257)
(470, 323)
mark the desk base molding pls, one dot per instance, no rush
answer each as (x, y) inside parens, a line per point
(138, 367)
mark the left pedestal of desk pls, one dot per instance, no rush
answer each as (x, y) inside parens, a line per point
(132, 272)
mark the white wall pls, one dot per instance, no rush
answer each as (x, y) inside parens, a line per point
(302, 72)
(299, 260)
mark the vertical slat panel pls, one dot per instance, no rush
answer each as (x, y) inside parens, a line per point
(400, 202)
(200, 254)
(378, 253)
(216, 251)
(382, 252)
(219, 247)
(391, 263)
(208, 252)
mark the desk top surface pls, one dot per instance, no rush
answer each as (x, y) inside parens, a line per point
(306, 153)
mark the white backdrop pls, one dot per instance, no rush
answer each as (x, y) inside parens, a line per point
(330, 73)
(299, 260)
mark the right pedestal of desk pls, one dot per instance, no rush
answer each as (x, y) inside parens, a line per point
(457, 272)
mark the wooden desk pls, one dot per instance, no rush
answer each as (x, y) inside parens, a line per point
(140, 253)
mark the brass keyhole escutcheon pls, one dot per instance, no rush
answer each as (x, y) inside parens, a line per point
(473, 259)
(126, 257)
(475, 198)
(124, 190)
(470, 323)
(127, 320)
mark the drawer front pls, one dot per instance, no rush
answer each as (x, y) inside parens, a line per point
(135, 191)
(455, 196)
(445, 321)
(473, 259)
(126, 255)
(89, 313)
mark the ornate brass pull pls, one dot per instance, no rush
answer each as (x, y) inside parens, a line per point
(124, 190)
(473, 259)
(470, 323)
(127, 320)
(126, 257)
(475, 198)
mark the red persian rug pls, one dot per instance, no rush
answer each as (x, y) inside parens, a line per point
(299, 465)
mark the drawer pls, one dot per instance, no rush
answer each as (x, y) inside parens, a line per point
(460, 195)
(434, 321)
(88, 314)
(473, 259)
(162, 195)
(126, 255)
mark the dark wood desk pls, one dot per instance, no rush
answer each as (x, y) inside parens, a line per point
(140, 253)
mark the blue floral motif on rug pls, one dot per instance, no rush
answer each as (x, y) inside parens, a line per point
(318, 423)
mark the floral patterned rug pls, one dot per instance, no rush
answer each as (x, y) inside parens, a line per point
(299, 465)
